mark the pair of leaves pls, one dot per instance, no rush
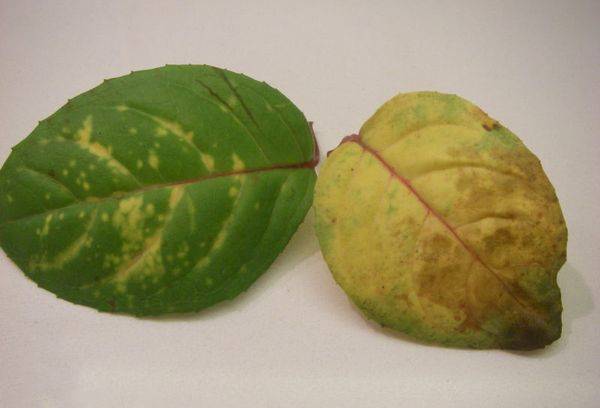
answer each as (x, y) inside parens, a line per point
(171, 189)
(438, 222)
(166, 190)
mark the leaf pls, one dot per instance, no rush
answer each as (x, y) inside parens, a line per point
(438, 222)
(166, 190)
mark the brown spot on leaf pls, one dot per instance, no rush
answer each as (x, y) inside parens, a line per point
(489, 126)
(501, 237)
(526, 335)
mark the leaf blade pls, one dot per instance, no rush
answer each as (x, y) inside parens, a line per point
(419, 291)
(139, 154)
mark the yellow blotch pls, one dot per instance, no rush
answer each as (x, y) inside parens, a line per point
(65, 172)
(220, 239)
(122, 108)
(153, 159)
(129, 220)
(203, 262)
(232, 100)
(174, 128)
(161, 131)
(120, 287)
(148, 262)
(46, 228)
(86, 186)
(133, 131)
(111, 260)
(238, 164)
(150, 209)
(183, 251)
(69, 252)
(175, 197)
(104, 217)
(208, 161)
(83, 138)
(139, 164)
(233, 191)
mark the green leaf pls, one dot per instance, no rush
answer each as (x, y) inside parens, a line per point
(166, 190)
(438, 222)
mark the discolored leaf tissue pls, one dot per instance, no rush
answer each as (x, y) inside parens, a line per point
(166, 190)
(438, 222)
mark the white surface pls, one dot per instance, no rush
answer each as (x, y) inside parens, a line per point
(294, 340)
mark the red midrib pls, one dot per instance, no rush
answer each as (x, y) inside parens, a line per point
(356, 139)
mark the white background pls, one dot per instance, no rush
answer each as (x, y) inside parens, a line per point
(294, 340)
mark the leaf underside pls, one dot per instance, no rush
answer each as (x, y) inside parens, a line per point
(166, 190)
(465, 233)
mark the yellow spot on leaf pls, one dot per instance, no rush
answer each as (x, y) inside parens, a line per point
(208, 161)
(220, 239)
(174, 128)
(238, 164)
(153, 160)
(175, 197)
(150, 209)
(122, 108)
(71, 251)
(183, 251)
(83, 138)
(203, 262)
(129, 221)
(46, 228)
(132, 131)
(161, 131)
(233, 191)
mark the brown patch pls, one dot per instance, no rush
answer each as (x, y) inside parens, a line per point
(490, 126)
(463, 183)
(525, 335)
(501, 237)
(443, 285)
(439, 243)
